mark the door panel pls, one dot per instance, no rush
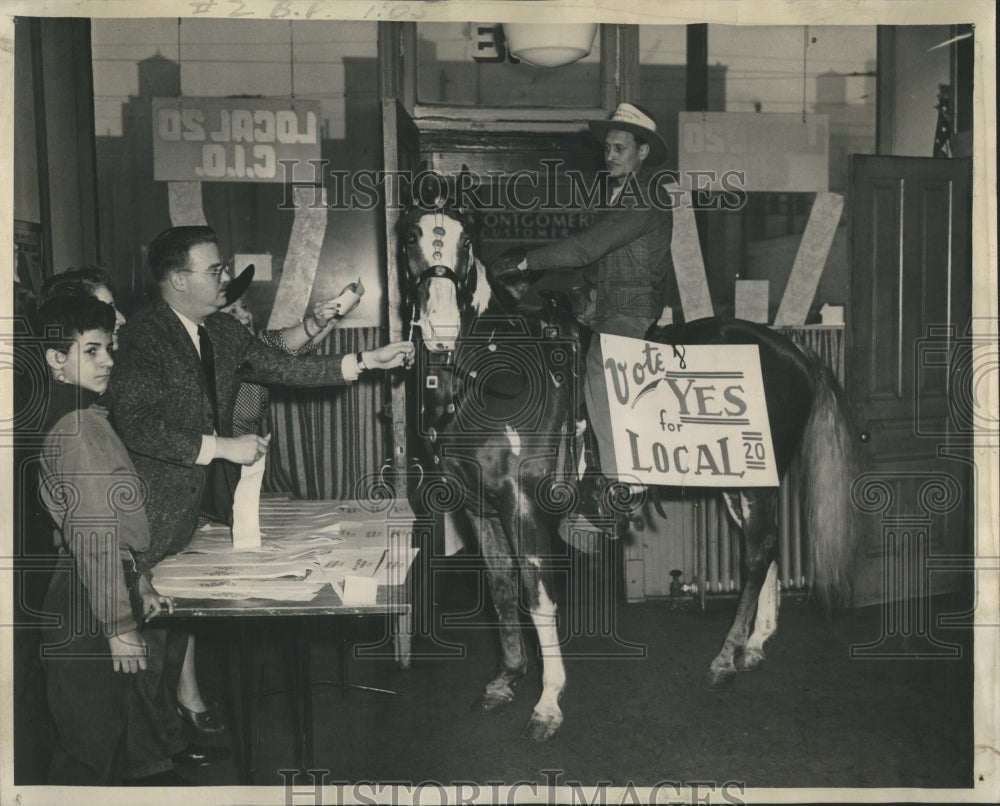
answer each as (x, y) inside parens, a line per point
(910, 299)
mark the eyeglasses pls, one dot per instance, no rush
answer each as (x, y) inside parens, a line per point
(217, 272)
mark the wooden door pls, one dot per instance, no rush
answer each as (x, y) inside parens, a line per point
(909, 320)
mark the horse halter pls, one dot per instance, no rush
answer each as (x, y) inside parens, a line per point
(437, 270)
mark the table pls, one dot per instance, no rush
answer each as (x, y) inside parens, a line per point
(391, 602)
(381, 527)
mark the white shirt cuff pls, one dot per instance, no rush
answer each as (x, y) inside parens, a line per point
(207, 452)
(349, 368)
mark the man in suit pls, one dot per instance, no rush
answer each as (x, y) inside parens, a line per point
(171, 416)
(178, 368)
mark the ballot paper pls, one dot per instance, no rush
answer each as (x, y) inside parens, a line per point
(279, 568)
(301, 547)
(246, 506)
(279, 590)
(354, 590)
(352, 562)
(396, 565)
(348, 299)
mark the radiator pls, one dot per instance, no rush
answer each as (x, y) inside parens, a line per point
(720, 563)
(697, 536)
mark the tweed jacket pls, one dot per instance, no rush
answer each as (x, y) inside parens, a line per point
(160, 407)
(631, 245)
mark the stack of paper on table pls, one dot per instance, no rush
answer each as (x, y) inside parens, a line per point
(303, 546)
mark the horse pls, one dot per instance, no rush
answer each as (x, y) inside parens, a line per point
(496, 402)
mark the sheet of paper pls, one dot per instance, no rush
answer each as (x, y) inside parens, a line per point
(286, 569)
(246, 506)
(689, 266)
(396, 565)
(184, 203)
(240, 589)
(261, 265)
(301, 260)
(357, 590)
(751, 300)
(355, 562)
(810, 260)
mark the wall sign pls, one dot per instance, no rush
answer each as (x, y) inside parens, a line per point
(774, 152)
(534, 225)
(234, 139)
(690, 417)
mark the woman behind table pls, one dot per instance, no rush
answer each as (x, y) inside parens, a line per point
(250, 411)
(106, 713)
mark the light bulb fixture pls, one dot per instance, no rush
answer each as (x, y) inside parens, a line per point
(549, 45)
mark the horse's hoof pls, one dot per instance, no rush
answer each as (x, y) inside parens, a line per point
(749, 660)
(718, 679)
(490, 702)
(541, 727)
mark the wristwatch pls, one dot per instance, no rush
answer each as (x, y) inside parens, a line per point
(361, 362)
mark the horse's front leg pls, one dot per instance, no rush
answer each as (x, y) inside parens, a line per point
(503, 581)
(533, 531)
(754, 512)
(546, 716)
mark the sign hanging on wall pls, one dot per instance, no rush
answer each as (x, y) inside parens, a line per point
(773, 152)
(688, 416)
(234, 139)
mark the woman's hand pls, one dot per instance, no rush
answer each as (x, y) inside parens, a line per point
(341, 305)
(399, 353)
(128, 652)
(152, 602)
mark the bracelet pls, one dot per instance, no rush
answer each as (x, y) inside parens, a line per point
(306, 329)
(361, 362)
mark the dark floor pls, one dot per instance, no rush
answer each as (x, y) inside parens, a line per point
(634, 710)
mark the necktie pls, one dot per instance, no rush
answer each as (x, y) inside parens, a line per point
(208, 364)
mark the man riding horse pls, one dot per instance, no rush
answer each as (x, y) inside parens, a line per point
(630, 245)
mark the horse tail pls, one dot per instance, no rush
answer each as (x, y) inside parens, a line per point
(828, 463)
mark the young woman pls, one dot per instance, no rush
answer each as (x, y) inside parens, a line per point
(304, 337)
(106, 709)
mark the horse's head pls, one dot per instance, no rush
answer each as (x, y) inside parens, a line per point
(444, 279)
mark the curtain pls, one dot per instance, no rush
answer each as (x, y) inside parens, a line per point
(324, 441)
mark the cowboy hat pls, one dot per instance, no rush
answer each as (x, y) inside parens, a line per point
(635, 119)
(238, 286)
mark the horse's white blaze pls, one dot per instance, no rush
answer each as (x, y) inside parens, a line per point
(440, 248)
(553, 672)
(441, 320)
(514, 439)
(767, 611)
(441, 244)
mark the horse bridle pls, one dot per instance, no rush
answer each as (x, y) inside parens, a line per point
(437, 271)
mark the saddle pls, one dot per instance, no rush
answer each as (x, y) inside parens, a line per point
(601, 502)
